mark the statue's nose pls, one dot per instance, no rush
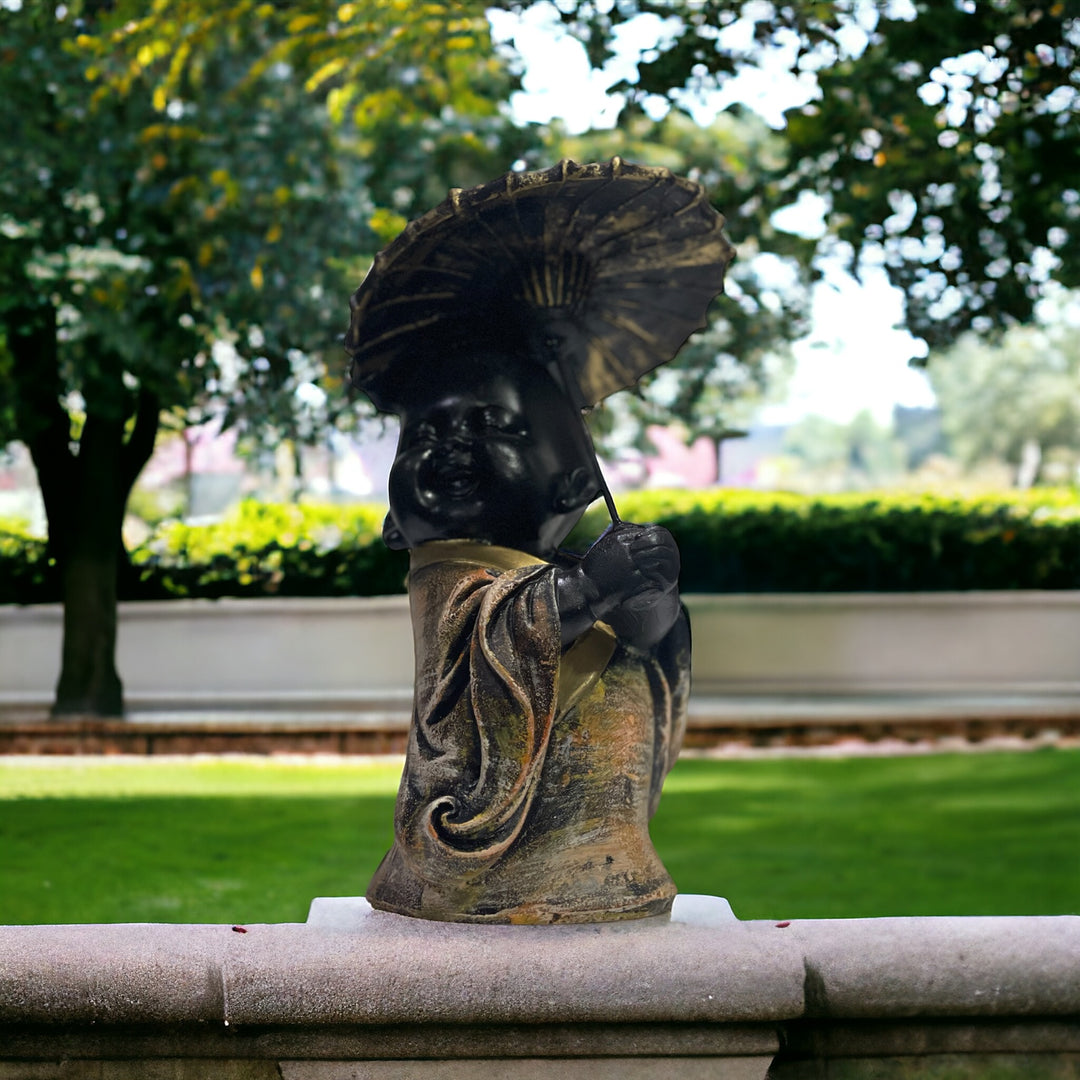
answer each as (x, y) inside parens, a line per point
(459, 436)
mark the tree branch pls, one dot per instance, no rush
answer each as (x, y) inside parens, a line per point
(140, 444)
(40, 420)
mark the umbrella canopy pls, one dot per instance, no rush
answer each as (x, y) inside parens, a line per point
(600, 272)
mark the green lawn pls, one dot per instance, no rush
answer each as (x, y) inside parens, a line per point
(252, 840)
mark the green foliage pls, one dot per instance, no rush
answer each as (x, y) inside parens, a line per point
(943, 144)
(154, 223)
(272, 550)
(91, 840)
(1024, 390)
(26, 576)
(735, 542)
(188, 193)
(731, 541)
(195, 174)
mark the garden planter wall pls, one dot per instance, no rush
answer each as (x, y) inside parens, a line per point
(888, 643)
(345, 655)
(384, 997)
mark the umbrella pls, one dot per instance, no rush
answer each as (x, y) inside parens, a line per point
(600, 272)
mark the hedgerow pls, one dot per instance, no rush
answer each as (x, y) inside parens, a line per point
(731, 541)
(756, 542)
(25, 574)
(272, 549)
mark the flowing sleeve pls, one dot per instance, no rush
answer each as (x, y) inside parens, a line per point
(668, 669)
(487, 682)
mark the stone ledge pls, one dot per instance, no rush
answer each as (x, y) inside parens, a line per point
(392, 971)
(374, 1042)
(615, 1068)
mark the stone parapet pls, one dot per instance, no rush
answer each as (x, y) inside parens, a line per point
(373, 993)
(909, 650)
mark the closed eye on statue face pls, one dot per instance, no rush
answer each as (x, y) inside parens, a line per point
(496, 418)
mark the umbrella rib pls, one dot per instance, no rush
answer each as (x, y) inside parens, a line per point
(397, 331)
(510, 253)
(446, 271)
(625, 376)
(633, 327)
(599, 190)
(695, 203)
(660, 307)
(385, 303)
(652, 185)
(704, 260)
(514, 200)
(412, 298)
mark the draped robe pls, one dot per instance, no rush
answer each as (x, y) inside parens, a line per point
(531, 771)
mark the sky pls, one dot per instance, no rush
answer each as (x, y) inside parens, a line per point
(854, 358)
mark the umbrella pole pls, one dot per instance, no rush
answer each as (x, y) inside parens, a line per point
(608, 500)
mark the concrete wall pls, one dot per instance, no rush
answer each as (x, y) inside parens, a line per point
(357, 653)
(371, 995)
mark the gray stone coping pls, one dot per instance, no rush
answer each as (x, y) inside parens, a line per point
(350, 965)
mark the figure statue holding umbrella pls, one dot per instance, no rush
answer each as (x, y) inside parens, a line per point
(551, 688)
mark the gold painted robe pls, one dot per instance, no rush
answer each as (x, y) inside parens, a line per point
(531, 771)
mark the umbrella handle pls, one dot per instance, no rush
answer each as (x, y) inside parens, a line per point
(608, 500)
(567, 380)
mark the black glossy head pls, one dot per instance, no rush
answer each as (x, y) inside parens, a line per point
(494, 452)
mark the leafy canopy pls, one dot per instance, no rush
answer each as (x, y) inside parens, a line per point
(942, 140)
(196, 188)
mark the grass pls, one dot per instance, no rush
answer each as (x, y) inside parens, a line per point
(252, 840)
(202, 840)
(950, 834)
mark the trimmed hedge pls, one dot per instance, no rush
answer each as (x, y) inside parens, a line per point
(750, 542)
(731, 541)
(25, 574)
(272, 549)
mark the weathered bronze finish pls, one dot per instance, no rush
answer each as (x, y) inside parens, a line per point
(550, 694)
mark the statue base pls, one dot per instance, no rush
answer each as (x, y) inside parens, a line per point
(690, 909)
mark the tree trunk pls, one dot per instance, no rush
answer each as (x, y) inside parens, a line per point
(95, 559)
(1030, 459)
(89, 683)
(85, 490)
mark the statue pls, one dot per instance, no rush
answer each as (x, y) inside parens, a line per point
(551, 689)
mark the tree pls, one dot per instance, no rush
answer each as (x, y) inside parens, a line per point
(712, 387)
(857, 454)
(1016, 401)
(943, 141)
(405, 88)
(159, 192)
(947, 147)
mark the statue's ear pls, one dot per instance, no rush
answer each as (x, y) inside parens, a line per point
(391, 535)
(575, 489)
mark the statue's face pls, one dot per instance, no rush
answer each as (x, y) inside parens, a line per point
(488, 462)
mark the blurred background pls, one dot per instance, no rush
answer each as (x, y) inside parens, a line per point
(189, 197)
(887, 399)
